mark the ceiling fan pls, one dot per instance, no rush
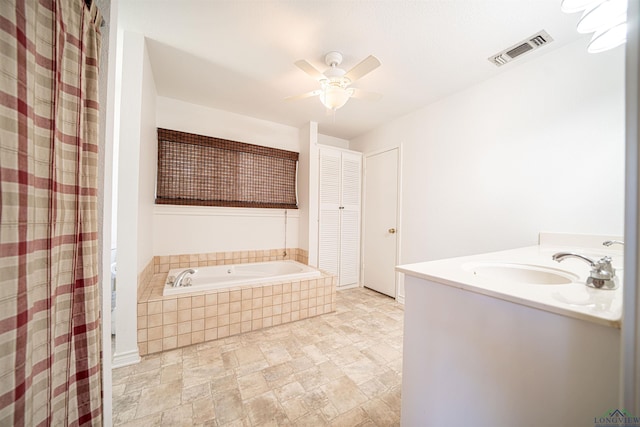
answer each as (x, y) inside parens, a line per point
(334, 89)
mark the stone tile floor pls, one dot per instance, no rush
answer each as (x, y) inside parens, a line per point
(337, 369)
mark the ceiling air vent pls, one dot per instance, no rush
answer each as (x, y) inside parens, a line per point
(531, 43)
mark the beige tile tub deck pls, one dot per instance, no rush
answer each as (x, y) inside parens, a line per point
(166, 323)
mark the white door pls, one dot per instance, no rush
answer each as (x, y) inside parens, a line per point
(339, 215)
(380, 221)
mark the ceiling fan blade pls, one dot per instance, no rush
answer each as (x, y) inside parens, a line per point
(363, 94)
(369, 64)
(304, 95)
(309, 69)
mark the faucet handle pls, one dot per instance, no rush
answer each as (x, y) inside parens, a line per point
(612, 242)
(603, 275)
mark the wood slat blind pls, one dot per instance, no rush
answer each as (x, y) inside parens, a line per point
(206, 171)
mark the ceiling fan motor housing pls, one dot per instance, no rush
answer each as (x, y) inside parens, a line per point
(335, 74)
(333, 59)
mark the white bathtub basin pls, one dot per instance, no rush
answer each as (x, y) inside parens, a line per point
(521, 273)
(235, 275)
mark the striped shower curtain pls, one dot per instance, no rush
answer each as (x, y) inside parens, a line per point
(49, 291)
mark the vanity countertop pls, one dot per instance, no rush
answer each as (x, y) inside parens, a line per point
(573, 299)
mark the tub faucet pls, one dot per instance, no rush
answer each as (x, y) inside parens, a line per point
(602, 275)
(180, 277)
(612, 242)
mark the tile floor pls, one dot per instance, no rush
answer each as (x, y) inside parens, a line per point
(337, 369)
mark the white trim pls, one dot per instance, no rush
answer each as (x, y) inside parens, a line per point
(223, 211)
(630, 363)
(399, 276)
(107, 218)
(127, 358)
(332, 147)
(362, 213)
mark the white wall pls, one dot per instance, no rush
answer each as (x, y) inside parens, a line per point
(630, 372)
(539, 147)
(185, 229)
(136, 177)
(333, 141)
(116, 139)
(303, 185)
(148, 166)
(183, 116)
(308, 180)
(204, 229)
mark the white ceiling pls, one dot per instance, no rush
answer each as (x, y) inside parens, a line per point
(238, 55)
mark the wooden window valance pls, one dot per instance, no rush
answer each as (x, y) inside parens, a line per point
(206, 171)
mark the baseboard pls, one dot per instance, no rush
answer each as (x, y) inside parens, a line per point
(340, 288)
(125, 359)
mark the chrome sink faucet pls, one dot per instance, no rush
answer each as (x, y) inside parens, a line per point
(612, 242)
(602, 275)
(180, 277)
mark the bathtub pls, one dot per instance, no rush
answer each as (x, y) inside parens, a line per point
(234, 275)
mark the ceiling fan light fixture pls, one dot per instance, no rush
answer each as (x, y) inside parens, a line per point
(572, 6)
(608, 38)
(334, 96)
(602, 16)
(334, 82)
(606, 18)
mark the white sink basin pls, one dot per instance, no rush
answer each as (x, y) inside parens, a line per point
(521, 273)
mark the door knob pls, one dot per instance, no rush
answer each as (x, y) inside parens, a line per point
(392, 230)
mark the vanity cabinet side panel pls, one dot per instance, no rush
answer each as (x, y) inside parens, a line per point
(471, 359)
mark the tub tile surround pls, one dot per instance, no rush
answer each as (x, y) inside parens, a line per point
(166, 323)
(339, 369)
(145, 276)
(162, 264)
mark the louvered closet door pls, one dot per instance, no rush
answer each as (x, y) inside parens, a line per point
(329, 215)
(350, 219)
